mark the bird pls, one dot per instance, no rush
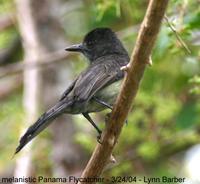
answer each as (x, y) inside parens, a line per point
(93, 90)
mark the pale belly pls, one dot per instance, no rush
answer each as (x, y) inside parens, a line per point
(108, 95)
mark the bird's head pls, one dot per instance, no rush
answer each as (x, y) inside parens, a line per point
(99, 42)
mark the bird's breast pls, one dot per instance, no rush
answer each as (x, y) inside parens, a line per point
(107, 94)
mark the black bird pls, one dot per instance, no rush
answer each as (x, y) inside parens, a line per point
(95, 89)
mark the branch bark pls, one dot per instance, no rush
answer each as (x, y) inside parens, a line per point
(135, 69)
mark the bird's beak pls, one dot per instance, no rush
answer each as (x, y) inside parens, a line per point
(75, 48)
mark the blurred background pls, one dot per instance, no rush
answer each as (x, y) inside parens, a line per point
(163, 132)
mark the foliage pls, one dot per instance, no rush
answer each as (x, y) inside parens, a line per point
(11, 116)
(168, 100)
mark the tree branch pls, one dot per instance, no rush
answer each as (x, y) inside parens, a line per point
(135, 69)
(18, 67)
(180, 40)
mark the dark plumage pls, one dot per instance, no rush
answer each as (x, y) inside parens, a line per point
(95, 89)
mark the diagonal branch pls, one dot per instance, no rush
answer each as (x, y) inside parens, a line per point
(135, 69)
(47, 59)
(180, 40)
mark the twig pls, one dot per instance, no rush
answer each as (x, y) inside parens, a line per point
(175, 144)
(52, 58)
(177, 35)
(141, 53)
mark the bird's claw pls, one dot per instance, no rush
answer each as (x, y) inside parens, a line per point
(99, 138)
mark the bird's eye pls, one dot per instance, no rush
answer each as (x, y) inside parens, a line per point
(90, 43)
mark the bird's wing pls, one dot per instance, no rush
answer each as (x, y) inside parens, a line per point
(95, 78)
(68, 90)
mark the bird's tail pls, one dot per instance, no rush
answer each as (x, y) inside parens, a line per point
(42, 123)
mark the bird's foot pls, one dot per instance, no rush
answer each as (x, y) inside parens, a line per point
(99, 138)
